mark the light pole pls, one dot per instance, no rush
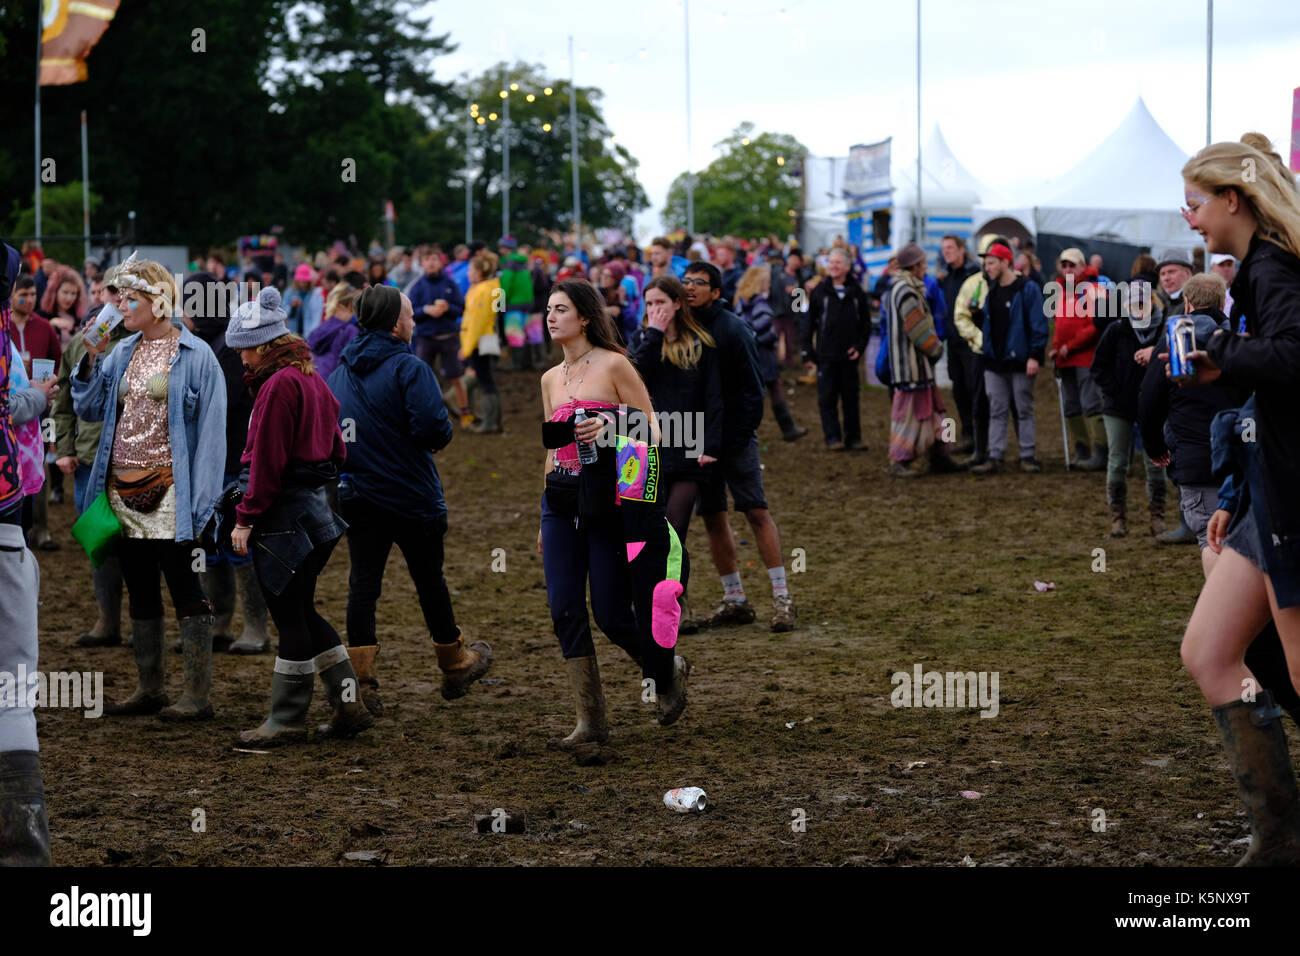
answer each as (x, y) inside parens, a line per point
(470, 117)
(690, 176)
(573, 150)
(505, 160)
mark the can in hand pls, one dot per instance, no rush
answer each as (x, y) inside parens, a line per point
(1180, 332)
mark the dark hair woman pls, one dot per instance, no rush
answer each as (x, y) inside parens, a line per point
(604, 520)
(294, 450)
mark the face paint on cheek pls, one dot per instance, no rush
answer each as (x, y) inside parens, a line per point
(133, 305)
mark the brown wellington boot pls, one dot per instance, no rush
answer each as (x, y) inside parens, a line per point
(149, 697)
(363, 662)
(589, 696)
(462, 666)
(24, 824)
(344, 692)
(1118, 521)
(196, 641)
(1157, 518)
(1257, 752)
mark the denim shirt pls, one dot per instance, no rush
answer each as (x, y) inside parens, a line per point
(196, 408)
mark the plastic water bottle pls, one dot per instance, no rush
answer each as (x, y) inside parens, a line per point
(587, 453)
(686, 800)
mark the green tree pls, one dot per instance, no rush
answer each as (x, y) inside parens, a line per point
(179, 129)
(750, 190)
(541, 174)
(382, 40)
(61, 215)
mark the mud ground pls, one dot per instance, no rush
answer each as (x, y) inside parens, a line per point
(1095, 711)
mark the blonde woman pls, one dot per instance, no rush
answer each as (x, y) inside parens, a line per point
(336, 331)
(752, 303)
(162, 398)
(1256, 220)
(480, 345)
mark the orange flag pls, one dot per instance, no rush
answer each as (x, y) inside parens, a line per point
(71, 28)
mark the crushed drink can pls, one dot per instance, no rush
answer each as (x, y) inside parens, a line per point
(1180, 332)
(686, 799)
(105, 322)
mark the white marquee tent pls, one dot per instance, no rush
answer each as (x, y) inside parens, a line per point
(1128, 188)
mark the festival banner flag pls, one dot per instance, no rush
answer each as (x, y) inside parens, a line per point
(70, 29)
(1295, 130)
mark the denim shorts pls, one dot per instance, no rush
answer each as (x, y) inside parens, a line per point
(1280, 560)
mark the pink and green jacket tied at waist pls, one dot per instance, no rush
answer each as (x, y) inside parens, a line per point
(623, 484)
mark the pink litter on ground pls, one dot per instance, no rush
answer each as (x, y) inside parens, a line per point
(1045, 586)
(971, 794)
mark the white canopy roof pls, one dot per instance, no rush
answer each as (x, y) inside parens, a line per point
(1129, 187)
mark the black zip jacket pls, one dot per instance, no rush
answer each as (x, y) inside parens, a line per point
(743, 394)
(1116, 374)
(1266, 293)
(833, 325)
(951, 284)
(684, 391)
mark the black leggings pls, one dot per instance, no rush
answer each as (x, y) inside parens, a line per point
(142, 559)
(776, 392)
(679, 500)
(303, 633)
(483, 369)
(372, 532)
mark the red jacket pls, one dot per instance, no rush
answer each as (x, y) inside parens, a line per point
(1074, 325)
(295, 419)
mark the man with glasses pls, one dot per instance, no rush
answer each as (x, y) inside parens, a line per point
(738, 467)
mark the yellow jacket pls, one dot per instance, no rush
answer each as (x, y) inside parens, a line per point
(976, 285)
(480, 318)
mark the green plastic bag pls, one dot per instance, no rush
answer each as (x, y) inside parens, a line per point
(98, 530)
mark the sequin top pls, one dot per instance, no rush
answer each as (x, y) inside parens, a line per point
(142, 439)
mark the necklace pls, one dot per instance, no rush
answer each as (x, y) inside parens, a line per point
(568, 365)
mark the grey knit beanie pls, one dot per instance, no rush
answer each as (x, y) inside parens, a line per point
(258, 322)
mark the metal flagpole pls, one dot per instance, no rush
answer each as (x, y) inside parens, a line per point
(920, 215)
(505, 164)
(85, 186)
(573, 152)
(469, 181)
(690, 176)
(40, 19)
(1209, 64)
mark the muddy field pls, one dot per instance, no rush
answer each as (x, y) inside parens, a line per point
(1095, 710)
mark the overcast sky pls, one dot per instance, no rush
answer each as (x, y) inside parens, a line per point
(1021, 90)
